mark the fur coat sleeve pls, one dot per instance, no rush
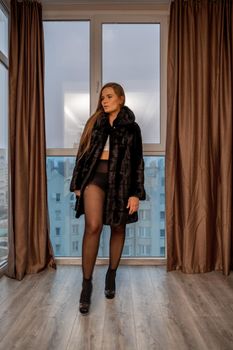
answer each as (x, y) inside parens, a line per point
(137, 182)
(76, 180)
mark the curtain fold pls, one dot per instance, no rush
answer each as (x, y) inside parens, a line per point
(30, 249)
(199, 136)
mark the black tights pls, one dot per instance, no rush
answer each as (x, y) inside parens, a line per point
(94, 198)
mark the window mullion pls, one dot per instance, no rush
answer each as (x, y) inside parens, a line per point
(95, 61)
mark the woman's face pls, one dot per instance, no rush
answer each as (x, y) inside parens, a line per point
(110, 101)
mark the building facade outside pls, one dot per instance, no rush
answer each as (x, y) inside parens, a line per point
(145, 238)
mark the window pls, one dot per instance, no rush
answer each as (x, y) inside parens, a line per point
(58, 214)
(3, 134)
(131, 55)
(162, 198)
(162, 233)
(58, 231)
(75, 245)
(3, 31)
(67, 86)
(58, 248)
(75, 228)
(58, 197)
(72, 85)
(130, 231)
(144, 231)
(162, 251)
(144, 250)
(162, 215)
(148, 227)
(163, 181)
(127, 251)
(144, 214)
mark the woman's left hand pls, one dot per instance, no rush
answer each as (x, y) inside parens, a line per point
(133, 204)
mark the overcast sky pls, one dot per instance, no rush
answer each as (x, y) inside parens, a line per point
(130, 57)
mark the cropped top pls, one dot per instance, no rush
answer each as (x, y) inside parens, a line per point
(106, 147)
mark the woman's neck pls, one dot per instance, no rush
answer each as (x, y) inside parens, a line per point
(113, 116)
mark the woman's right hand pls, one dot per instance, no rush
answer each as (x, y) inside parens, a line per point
(77, 192)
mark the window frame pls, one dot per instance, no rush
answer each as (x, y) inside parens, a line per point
(3, 58)
(96, 19)
(5, 61)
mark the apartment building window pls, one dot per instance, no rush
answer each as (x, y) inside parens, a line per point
(144, 250)
(72, 85)
(72, 212)
(162, 251)
(58, 197)
(75, 229)
(162, 198)
(58, 215)
(130, 231)
(4, 173)
(162, 215)
(58, 249)
(144, 231)
(162, 233)
(127, 251)
(75, 246)
(58, 231)
(144, 214)
(163, 181)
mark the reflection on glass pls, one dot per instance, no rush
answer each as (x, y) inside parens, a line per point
(67, 98)
(146, 238)
(3, 164)
(3, 33)
(131, 57)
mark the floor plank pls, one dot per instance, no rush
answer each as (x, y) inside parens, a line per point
(87, 331)
(119, 325)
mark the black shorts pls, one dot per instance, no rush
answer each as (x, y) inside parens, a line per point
(100, 177)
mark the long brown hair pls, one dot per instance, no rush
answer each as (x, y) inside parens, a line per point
(86, 135)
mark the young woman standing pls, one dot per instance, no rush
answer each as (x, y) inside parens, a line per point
(108, 180)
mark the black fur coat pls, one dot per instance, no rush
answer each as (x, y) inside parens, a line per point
(126, 166)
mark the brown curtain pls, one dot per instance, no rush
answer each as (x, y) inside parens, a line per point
(199, 137)
(30, 250)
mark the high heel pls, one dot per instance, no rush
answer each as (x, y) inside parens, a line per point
(110, 285)
(85, 297)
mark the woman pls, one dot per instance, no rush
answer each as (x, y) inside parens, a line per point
(108, 180)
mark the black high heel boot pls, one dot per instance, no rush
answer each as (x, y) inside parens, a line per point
(110, 285)
(85, 297)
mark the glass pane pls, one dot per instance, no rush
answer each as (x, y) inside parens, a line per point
(67, 86)
(3, 163)
(146, 238)
(131, 57)
(3, 33)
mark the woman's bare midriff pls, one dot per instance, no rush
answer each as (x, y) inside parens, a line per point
(104, 155)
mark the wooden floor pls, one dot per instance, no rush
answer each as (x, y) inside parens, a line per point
(152, 309)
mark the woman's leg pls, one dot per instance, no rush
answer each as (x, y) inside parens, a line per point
(94, 198)
(93, 207)
(117, 240)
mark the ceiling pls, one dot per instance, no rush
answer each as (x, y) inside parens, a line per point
(143, 4)
(86, 2)
(100, 2)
